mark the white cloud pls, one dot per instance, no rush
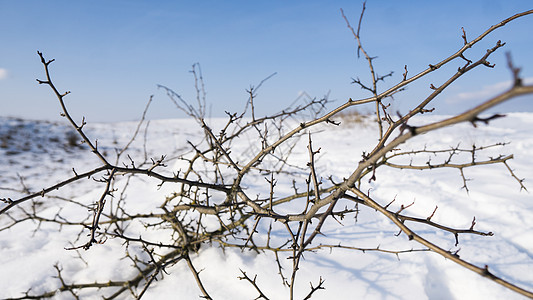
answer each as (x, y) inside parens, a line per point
(3, 74)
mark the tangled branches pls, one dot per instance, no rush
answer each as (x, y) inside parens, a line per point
(216, 198)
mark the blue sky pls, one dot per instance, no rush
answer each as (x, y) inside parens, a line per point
(112, 54)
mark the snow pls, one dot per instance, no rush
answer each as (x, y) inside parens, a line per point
(36, 154)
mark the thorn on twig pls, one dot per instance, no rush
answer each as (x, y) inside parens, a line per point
(473, 224)
(404, 207)
(464, 35)
(455, 253)
(405, 73)
(485, 120)
(387, 206)
(6, 200)
(432, 214)
(514, 70)
(362, 85)
(46, 63)
(373, 178)
(488, 64)
(486, 271)
(328, 120)
(382, 78)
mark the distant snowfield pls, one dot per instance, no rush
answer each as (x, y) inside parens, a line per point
(34, 155)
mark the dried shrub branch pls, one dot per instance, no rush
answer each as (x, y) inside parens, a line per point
(214, 188)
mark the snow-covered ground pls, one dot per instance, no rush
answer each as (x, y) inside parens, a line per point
(35, 155)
